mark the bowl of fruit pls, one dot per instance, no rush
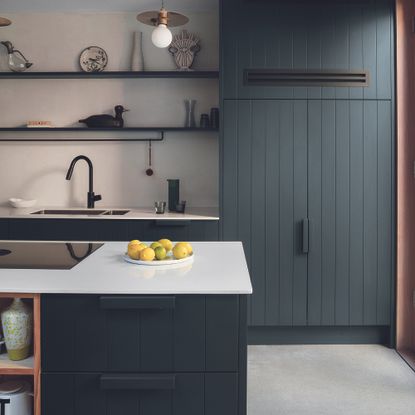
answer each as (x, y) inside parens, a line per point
(162, 252)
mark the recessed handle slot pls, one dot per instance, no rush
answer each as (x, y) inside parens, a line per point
(173, 223)
(137, 382)
(306, 236)
(137, 303)
(291, 77)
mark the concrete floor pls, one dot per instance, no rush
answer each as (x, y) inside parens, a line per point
(332, 380)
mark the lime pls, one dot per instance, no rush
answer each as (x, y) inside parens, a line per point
(155, 245)
(160, 253)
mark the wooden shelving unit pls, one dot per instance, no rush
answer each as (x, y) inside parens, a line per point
(30, 366)
(10, 367)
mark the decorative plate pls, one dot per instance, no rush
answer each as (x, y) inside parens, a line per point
(93, 59)
(168, 261)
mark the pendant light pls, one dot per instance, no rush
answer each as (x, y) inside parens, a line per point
(162, 19)
(4, 22)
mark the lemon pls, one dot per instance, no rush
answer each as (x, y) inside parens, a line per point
(180, 251)
(134, 242)
(189, 247)
(134, 251)
(155, 245)
(167, 244)
(147, 254)
(160, 253)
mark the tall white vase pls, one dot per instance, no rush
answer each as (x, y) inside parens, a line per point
(137, 58)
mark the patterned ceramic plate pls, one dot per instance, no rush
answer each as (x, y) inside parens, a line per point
(168, 261)
(93, 59)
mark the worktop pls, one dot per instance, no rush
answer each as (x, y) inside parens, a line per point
(218, 268)
(191, 214)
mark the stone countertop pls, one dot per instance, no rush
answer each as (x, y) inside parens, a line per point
(218, 268)
(196, 214)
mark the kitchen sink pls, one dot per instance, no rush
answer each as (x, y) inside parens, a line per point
(80, 212)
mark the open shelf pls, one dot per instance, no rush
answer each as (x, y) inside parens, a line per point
(125, 129)
(21, 367)
(161, 130)
(112, 75)
(29, 367)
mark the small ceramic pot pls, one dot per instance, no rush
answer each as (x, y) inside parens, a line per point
(17, 322)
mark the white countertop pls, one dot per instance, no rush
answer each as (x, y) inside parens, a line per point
(210, 214)
(218, 268)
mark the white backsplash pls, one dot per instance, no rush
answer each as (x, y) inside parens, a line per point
(37, 170)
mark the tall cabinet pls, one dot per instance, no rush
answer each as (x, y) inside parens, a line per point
(308, 171)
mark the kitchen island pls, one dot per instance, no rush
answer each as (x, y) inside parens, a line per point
(117, 338)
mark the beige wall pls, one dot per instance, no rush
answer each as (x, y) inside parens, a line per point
(53, 42)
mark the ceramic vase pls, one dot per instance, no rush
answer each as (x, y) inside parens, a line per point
(17, 322)
(137, 59)
(190, 121)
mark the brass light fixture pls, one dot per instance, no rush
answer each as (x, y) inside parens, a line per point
(4, 22)
(162, 19)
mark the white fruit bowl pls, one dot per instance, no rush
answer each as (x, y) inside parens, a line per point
(21, 203)
(168, 261)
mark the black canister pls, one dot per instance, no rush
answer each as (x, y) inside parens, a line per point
(174, 190)
(204, 121)
(214, 117)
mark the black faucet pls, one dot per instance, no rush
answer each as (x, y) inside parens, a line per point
(92, 198)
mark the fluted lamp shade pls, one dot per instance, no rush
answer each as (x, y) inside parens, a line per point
(4, 22)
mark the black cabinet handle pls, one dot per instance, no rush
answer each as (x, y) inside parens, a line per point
(306, 235)
(137, 382)
(173, 223)
(110, 302)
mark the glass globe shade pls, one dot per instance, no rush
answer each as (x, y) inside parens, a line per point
(161, 36)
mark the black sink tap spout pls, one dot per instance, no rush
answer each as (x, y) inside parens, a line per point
(92, 198)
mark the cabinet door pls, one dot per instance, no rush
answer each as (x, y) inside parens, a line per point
(137, 394)
(4, 229)
(298, 35)
(68, 230)
(139, 333)
(264, 203)
(350, 192)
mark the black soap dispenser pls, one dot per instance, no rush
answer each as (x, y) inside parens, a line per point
(174, 190)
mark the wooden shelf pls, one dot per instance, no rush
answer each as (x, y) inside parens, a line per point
(30, 366)
(112, 75)
(22, 367)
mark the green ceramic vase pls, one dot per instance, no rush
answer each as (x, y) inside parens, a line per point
(17, 322)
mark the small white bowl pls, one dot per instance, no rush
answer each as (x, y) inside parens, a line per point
(21, 203)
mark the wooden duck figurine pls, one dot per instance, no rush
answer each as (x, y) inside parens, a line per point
(106, 120)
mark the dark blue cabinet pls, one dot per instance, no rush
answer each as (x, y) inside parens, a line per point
(308, 35)
(147, 355)
(4, 229)
(186, 394)
(307, 171)
(308, 187)
(140, 333)
(111, 230)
